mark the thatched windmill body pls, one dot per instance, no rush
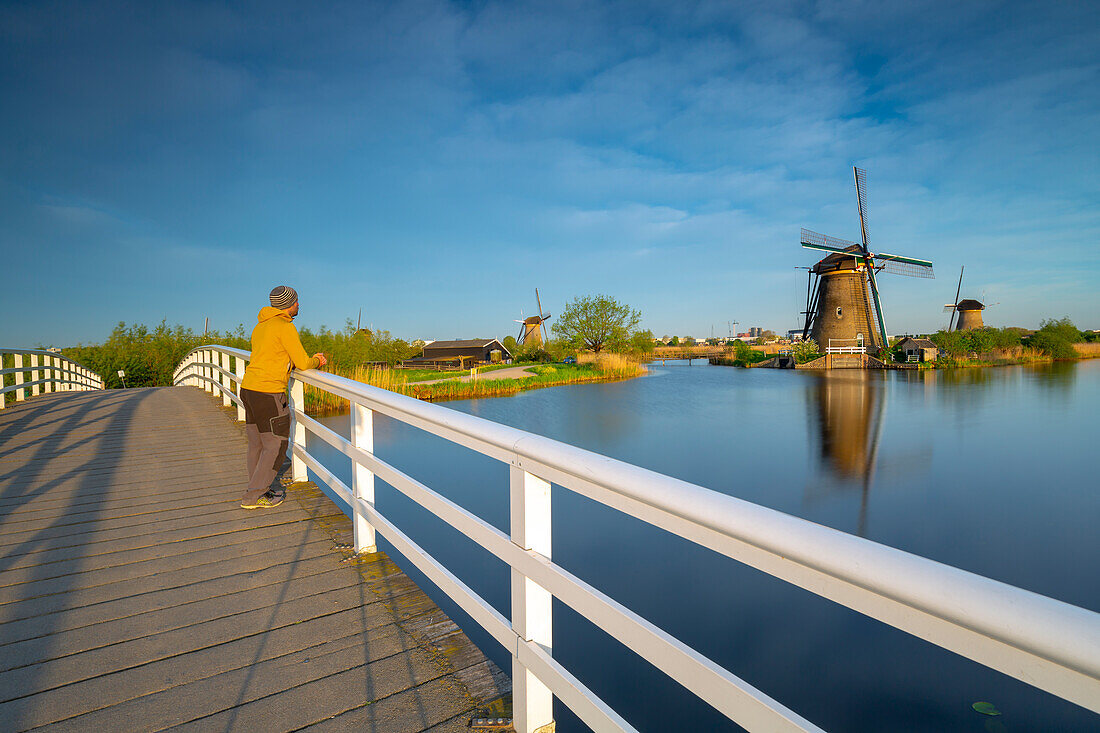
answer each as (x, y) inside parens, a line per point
(968, 309)
(843, 306)
(530, 331)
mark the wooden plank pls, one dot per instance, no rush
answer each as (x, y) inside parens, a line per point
(135, 594)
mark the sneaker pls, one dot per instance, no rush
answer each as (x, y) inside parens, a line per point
(269, 500)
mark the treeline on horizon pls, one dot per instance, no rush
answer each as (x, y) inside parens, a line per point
(149, 356)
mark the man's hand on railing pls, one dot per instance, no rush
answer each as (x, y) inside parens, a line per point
(321, 358)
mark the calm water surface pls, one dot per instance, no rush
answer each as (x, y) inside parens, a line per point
(990, 470)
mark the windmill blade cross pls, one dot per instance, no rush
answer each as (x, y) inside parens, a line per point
(539, 301)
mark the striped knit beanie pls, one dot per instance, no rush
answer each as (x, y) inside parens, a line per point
(283, 297)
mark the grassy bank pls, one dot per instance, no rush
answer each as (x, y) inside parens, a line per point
(606, 367)
(994, 357)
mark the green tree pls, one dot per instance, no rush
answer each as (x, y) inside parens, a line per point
(641, 342)
(805, 351)
(597, 322)
(1056, 338)
(511, 344)
(741, 352)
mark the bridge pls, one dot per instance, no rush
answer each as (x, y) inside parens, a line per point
(690, 353)
(84, 477)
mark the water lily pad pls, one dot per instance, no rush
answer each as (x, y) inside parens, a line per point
(986, 708)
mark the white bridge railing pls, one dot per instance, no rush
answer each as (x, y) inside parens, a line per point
(1044, 642)
(37, 372)
(858, 347)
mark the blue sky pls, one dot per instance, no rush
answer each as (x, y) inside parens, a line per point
(433, 162)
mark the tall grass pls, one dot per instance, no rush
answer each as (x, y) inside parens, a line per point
(610, 365)
(320, 402)
(1088, 351)
(995, 357)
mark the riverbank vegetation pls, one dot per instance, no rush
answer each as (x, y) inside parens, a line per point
(1054, 340)
(738, 353)
(589, 368)
(149, 355)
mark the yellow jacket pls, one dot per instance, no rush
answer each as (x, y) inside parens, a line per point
(275, 347)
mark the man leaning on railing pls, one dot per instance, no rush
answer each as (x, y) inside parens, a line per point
(276, 348)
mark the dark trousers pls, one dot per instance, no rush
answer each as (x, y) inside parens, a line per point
(267, 425)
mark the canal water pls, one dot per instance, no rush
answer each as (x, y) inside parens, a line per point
(991, 470)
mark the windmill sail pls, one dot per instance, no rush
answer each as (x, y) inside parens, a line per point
(907, 266)
(955, 305)
(861, 198)
(814, 240)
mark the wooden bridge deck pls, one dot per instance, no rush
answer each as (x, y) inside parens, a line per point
(136, 595)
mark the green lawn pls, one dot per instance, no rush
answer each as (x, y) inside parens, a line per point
(421, 375)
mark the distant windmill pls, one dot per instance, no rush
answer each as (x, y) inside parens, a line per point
(839, 308)
(531, 327)
(969, 310)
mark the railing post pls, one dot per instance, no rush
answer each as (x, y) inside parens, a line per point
(223, 380)
(207, 371)
(297, 431)
(238, 369)
(3, 397)
(532, 701)
(19, 393)
(34, 375)
(362, 436)
(53, 374)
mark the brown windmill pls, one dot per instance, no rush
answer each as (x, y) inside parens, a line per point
(531, 327)
(969, 310)
(845, 310)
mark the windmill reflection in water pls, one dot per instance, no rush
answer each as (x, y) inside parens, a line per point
(847, 415)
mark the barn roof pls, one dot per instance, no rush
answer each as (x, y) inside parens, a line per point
(461, 343)
(915, 343)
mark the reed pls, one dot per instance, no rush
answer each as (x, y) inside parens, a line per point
(995, 357)
(320, 402)
(617, 366)
(1088, 350)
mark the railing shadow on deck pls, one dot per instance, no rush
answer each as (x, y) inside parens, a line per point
(89, 477)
